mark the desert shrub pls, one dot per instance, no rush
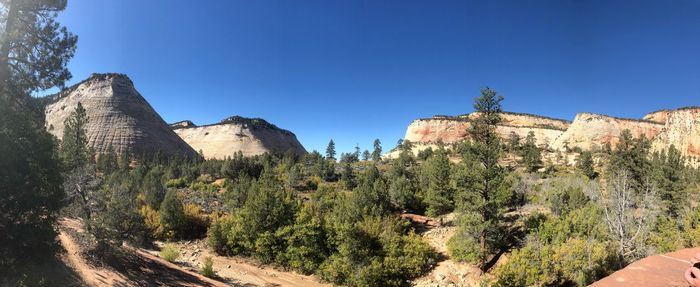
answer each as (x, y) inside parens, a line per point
(208, 267)
(176, 183)
(194, 223)
(576, 262)
(169, 252)
(151, 218)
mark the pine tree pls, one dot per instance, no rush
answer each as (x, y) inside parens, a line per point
(513, 142)
(172, 214)
(377, 152)
(34, 51)
(585, 164)
(330, 150)
(439, 196)
(365, 155)
(531, 153)
(74, 150)
(483, 233)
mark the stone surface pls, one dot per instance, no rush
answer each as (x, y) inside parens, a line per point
(682, 130)
(658, 270)
(249, 136)
(118, 117)
(454, 129)
(589, 131)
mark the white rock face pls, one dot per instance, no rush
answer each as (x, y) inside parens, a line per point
(454, 129)
(682, 130)
(590, 131)
(118, 117)
(249, 136)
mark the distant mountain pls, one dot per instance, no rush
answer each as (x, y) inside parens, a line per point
(250, 136)
(118, 117)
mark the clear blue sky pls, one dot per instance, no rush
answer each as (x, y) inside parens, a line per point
(358, 70)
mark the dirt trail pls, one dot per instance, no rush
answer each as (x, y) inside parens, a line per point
(137, 269)
(240, 271)
(447, 272)
(93, 276)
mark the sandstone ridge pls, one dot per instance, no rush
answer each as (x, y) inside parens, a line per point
(588, 131)
(250, 136)
(119, 117)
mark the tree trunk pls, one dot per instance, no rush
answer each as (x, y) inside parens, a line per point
(6, 40)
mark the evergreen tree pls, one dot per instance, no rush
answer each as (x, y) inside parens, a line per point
(439, 196)
(172, 214)
(347, 176)
(330, 150)
(585, 164)
(513, 142)
(74, 150)
(483, 233)
(531, 153)
(365, 155)
(107, 162)
(34, 51)
(670, 176)
(377, 152)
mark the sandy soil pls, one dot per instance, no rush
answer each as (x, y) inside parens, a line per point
(239, 271)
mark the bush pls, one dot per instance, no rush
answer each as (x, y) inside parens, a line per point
(169, 252)
(176, 183)
(208, 267)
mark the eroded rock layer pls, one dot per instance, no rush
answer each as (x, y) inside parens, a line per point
(249, 136)
(119, 117)
(589, 131)
(454, 129)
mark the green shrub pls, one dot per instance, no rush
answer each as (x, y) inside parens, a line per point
(176, 183)
(169, 252)
(208, 267)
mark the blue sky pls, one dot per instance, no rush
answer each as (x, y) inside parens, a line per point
(359, 70)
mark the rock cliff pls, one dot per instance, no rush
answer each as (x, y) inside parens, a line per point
(682, 130)
(589, 131)
(118, 117)
(249, 136)
(454, 129)
(680, 127)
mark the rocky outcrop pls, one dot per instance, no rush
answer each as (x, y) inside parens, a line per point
(454, 129)
(182, 125)
(659, 116)
(237, 134)
(589, 131)
(682, 130)
(119, 117)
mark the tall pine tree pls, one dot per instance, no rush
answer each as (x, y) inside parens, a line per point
(483, 233)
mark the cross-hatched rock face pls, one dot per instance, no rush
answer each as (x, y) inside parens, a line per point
(237, 134)
(118, 117)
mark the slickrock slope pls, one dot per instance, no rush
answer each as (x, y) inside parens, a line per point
(249, 136)
(658, 270)
(591, 130)
(682, 130)
(454, 129)
(118, 117)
